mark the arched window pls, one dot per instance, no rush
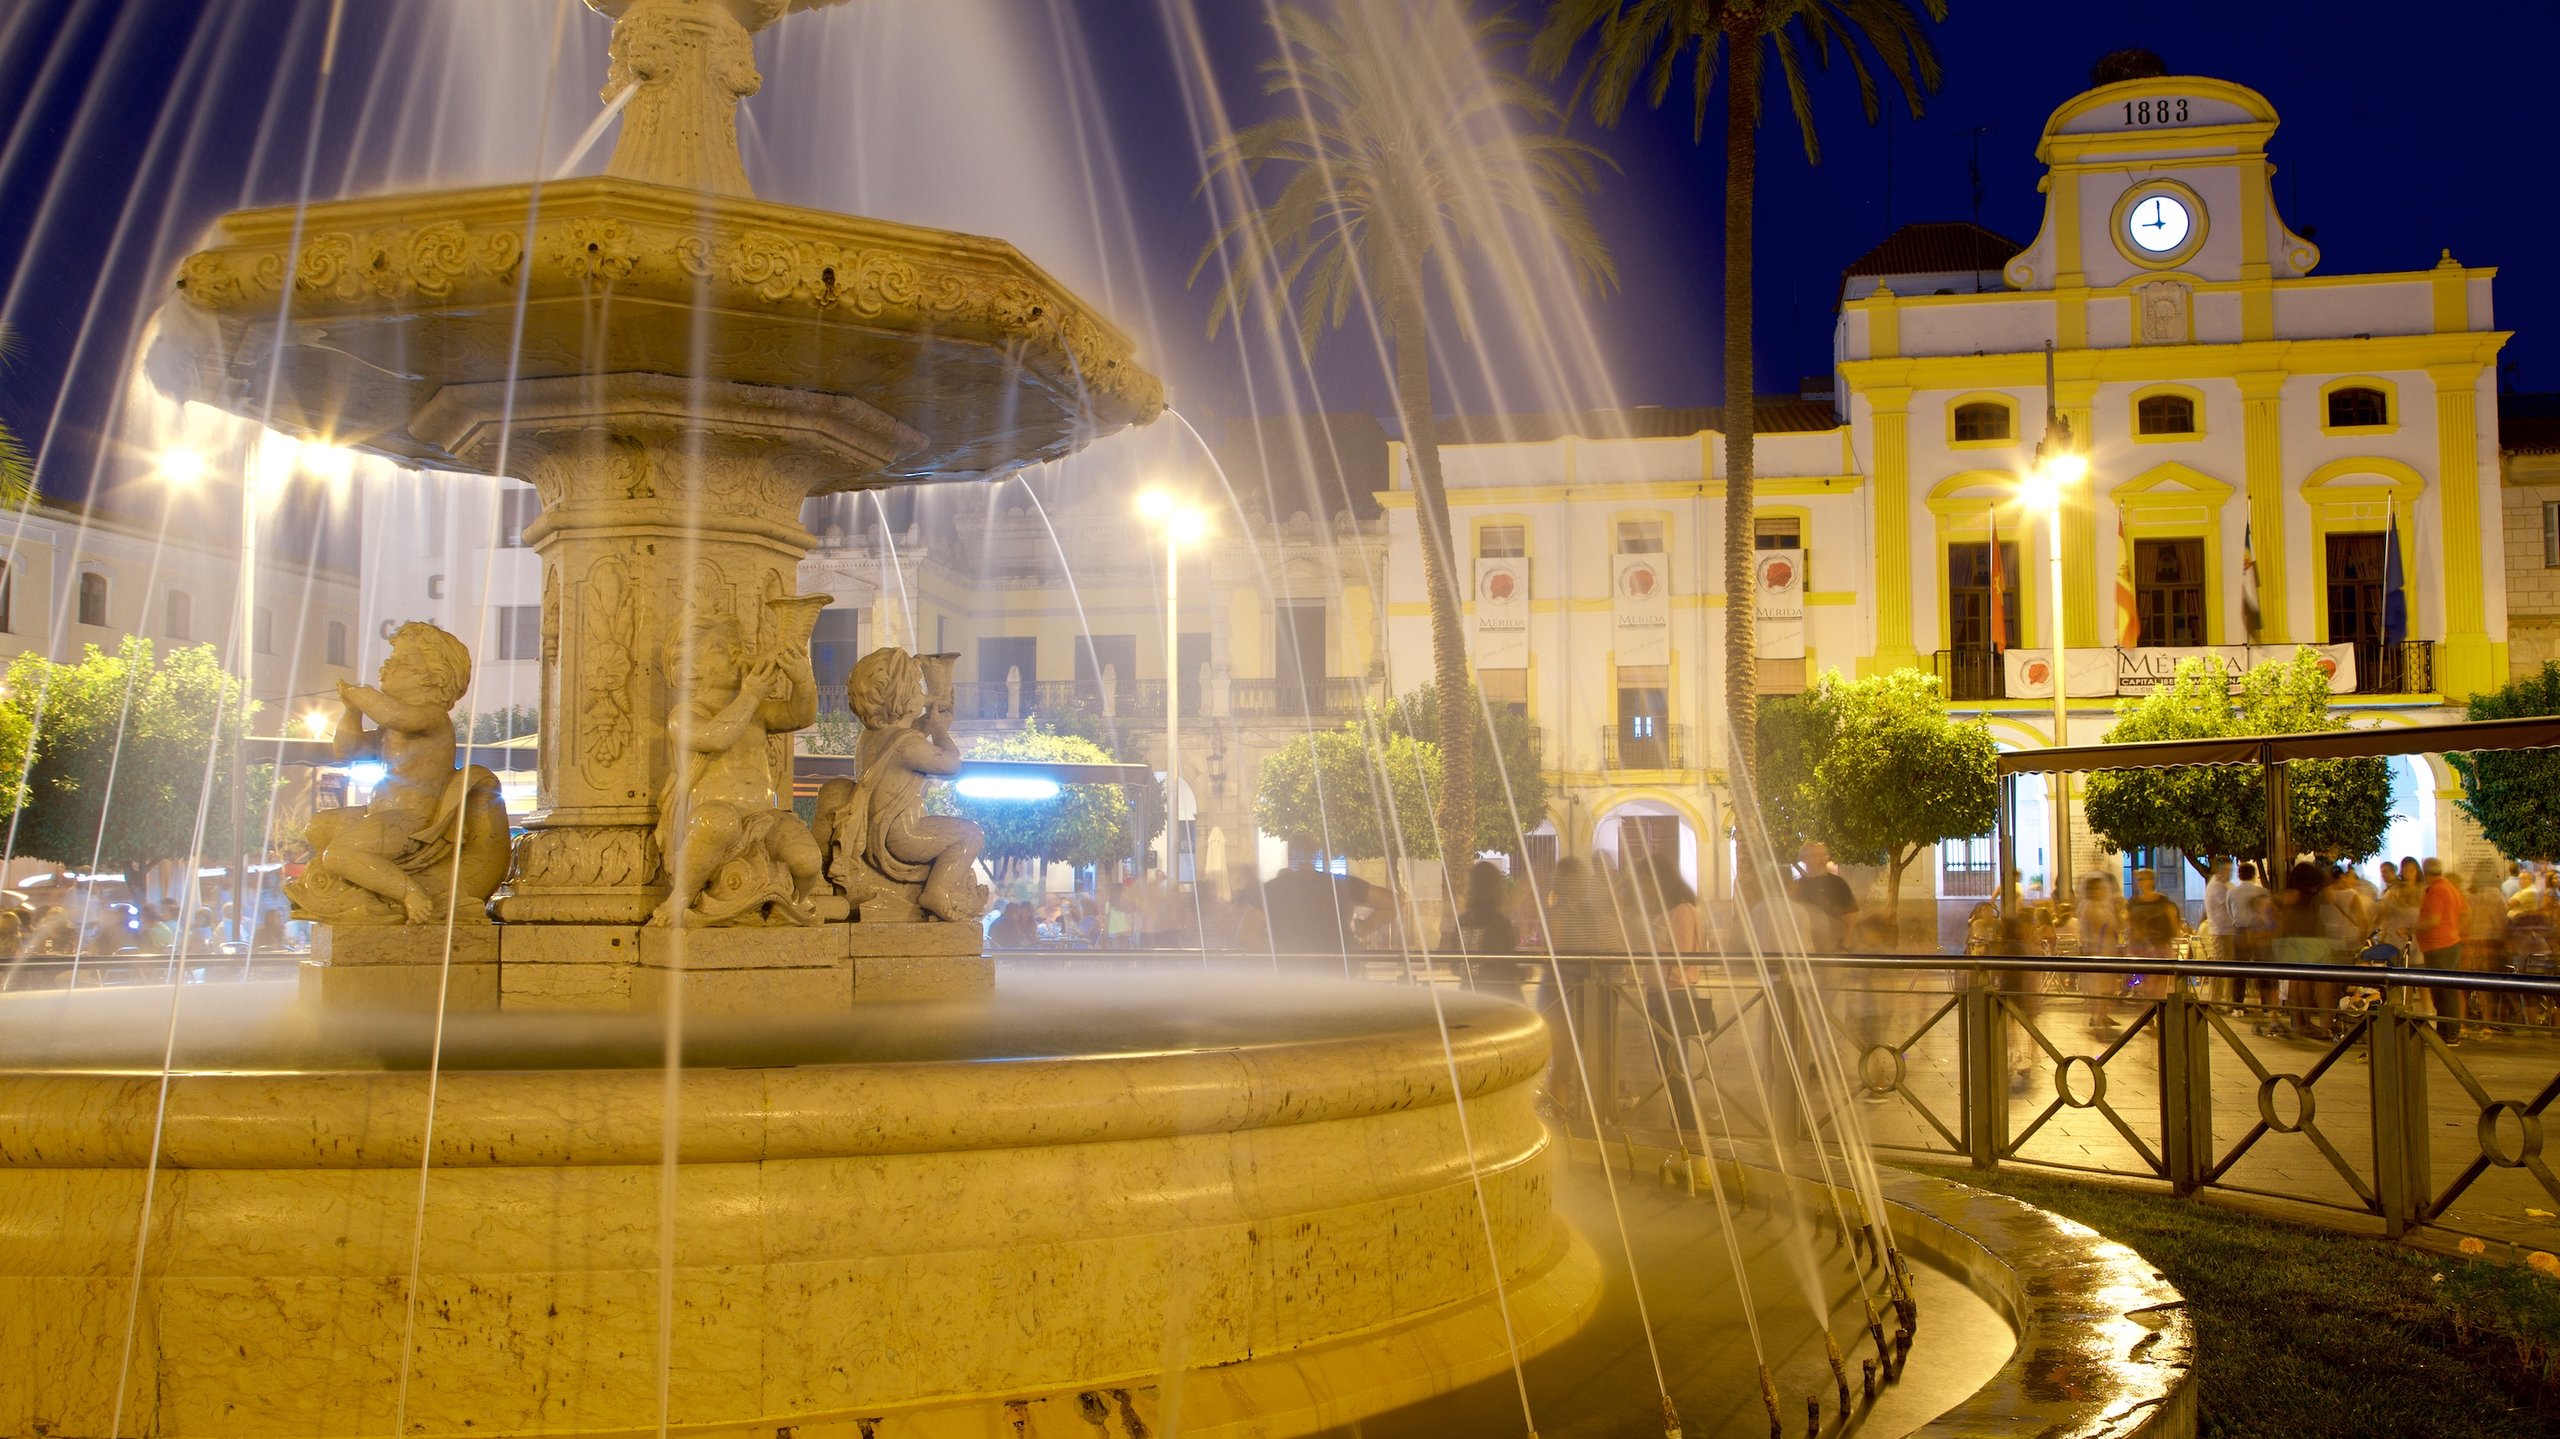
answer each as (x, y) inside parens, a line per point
(337, 643)
(182, 615)
(1982, 420)
(2358, 405)
(2164, 415)
(93, 599)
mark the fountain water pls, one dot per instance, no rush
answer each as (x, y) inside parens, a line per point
(1266, 1201)
(400, 1201)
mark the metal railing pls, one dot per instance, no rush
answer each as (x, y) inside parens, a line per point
(1666, 748)
(2343, 1097)
(1972, 674)
(2405, 668)
(1333, 697)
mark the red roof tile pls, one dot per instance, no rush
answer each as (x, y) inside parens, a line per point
(1938, 247)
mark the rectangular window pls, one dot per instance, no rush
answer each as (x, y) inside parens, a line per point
(1644, 717)
(2168, 591)
(517, 506)
(1502, 542)
(1507, 688)
(181, 617)
(263, 631)
(336, 651)
(1639, 537)
(1969, 867)
(2550, 536)
(1969, 596)
(93, 598)
(1298, 627)
(1782, 532)
(4, 596)
(1114, 657)
(519, 632)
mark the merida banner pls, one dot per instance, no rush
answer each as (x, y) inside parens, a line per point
(2097, 673)
(1502, 614)
(1778, 613)
(1642, 600)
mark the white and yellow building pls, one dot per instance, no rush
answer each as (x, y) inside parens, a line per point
(2229, 400)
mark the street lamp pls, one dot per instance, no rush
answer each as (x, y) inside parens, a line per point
(2059, 465)
(1183, 524)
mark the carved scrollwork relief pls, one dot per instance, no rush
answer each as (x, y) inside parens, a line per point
(608, 668)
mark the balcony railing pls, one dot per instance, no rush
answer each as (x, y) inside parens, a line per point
(1334, 697)
(1972, 674)
(2406, 668)
(1666, 748)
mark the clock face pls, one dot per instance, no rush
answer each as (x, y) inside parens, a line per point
(2158, 223)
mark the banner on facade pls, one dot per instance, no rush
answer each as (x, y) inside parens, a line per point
(2096, 673)
(1643, 604)
(1778, 613)
(1502, 614)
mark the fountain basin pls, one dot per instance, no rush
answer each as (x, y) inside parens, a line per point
(1253, 1198)
(344, 320)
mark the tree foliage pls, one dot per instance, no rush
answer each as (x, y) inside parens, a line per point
(1876, 769)
(1507, 737)
(1407, 147)
(2514, 795)
(120, 743)
(1338, 791)
(496, 726)
(2338, 808)
(1085, 823)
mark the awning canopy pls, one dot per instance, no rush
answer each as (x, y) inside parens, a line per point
(2534, 732)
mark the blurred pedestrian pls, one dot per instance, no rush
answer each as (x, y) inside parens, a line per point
(2441, 910)
(2101, 920)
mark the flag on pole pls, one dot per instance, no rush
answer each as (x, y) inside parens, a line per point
(2128, 621)
(1999, 600)
(2250, 620)
(2395, 585)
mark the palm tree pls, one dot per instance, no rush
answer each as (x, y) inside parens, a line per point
(1407, 146)
(1641, 42)
(17, 471)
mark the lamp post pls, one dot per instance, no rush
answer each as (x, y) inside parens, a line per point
(2058, 466)
(1182, 524)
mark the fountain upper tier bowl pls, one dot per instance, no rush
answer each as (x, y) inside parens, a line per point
(343, 320)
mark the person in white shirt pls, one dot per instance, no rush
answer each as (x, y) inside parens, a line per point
(2217, 925)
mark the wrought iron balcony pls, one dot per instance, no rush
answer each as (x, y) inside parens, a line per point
(1972, 674)
(1665, 748)
(1333, 697)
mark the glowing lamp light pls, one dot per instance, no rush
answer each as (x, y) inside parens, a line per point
(1013, 788)
(315, 723)
(1155, 504)
(367, 774)
(183, 467)
(1187, 526)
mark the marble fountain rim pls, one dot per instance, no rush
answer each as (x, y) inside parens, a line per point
(229, 1112)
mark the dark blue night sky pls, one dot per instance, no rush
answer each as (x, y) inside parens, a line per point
(2400, 138)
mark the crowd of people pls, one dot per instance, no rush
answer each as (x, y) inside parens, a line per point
(93, 926)
(1593, 905)
(2409, 913)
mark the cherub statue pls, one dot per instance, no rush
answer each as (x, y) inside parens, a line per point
(433, 834)
(735, 853)
(891, 859)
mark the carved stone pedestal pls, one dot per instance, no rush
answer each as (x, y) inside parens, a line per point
(742, 970)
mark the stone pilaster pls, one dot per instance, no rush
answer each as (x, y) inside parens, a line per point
(661, 499)
(1894, 650)
(2466, 665)
(2262, 449)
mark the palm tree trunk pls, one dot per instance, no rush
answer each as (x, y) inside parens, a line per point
(1741, 676)
(1455, 813)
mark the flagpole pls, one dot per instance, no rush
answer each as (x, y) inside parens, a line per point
(2057, 463)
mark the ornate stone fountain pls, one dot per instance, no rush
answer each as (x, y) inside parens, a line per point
(676, 366)
(364, 1208)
